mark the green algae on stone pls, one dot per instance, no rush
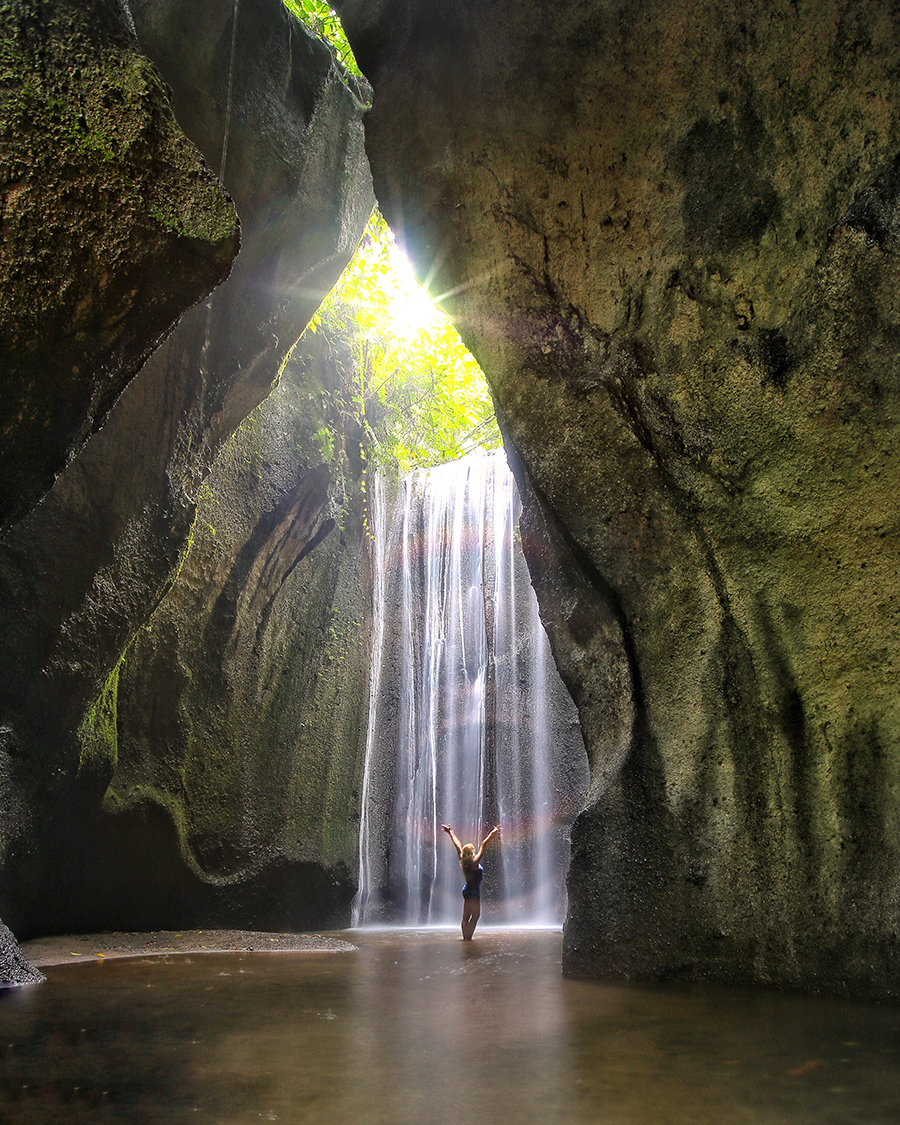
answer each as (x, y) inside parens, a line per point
(112, 225)
(98, 734)
(89, 565)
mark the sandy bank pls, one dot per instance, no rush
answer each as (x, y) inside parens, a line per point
(92, 947)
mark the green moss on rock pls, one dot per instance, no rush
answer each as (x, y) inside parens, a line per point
(674, 254)
(241, 714)
(98, 732)
(112, 225)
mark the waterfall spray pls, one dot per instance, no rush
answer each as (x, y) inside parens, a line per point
(469, 722)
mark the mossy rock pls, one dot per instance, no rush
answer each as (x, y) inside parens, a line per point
(113, 225)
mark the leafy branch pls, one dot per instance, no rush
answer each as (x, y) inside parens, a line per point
(324, 22)
(422, 399)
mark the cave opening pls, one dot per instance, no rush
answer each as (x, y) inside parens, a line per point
(413, 393)
(481, 729)
(468, 720)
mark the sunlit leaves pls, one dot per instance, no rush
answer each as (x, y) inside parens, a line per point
(422, 398)
(323, 21)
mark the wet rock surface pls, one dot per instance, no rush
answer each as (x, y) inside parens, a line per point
(113, 225)
(667, 232)
(82, 575)
(243, 709)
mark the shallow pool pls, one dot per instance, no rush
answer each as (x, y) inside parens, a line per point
(418, 1027)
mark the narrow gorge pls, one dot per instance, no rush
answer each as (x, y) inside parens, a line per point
(668, 234)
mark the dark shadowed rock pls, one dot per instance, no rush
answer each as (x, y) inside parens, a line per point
(668, 233)
(14, 969)
(113, 225)
(242, 711)
(82, 575)
(282, 123)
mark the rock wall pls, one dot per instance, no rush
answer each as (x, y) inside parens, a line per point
(240, 711)
(668, 232)
(113, 225)
(82, 575)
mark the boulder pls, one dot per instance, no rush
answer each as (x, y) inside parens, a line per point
(668, 232)
(14, 969)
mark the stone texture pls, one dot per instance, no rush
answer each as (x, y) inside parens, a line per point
(14, 968)
(281, 123)
(112, 225)
(667, 231)
(241, 712)
(83, 574)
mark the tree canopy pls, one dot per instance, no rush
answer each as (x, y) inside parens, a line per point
(422, 399)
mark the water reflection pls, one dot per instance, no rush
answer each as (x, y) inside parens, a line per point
(419, 1027)
(447, 1031)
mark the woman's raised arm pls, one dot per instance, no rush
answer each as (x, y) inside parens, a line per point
(446, 828)
(493, 832)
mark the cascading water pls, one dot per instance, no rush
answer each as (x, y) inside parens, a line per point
(469, 723)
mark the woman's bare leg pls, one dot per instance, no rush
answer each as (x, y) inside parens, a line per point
(471, 914)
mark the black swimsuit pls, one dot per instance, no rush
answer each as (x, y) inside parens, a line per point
(472, 889)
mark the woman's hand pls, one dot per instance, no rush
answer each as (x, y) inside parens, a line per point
(446, 828)
(493, 832)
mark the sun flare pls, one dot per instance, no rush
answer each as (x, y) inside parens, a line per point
(411, 309)
(424, 398)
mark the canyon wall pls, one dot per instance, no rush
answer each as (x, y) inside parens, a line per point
(668, 233)
(240, 711)
(83, 573)
(113, 225)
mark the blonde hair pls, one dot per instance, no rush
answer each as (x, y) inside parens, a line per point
(467, 858)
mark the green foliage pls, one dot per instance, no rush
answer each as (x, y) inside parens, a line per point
(324, 439)
(421, 398)
(323, 21)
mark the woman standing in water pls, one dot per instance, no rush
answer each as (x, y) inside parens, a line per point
(470, 862)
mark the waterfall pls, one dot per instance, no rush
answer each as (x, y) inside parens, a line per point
(469, 723)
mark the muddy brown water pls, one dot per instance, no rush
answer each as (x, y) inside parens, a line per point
(417, 1027)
